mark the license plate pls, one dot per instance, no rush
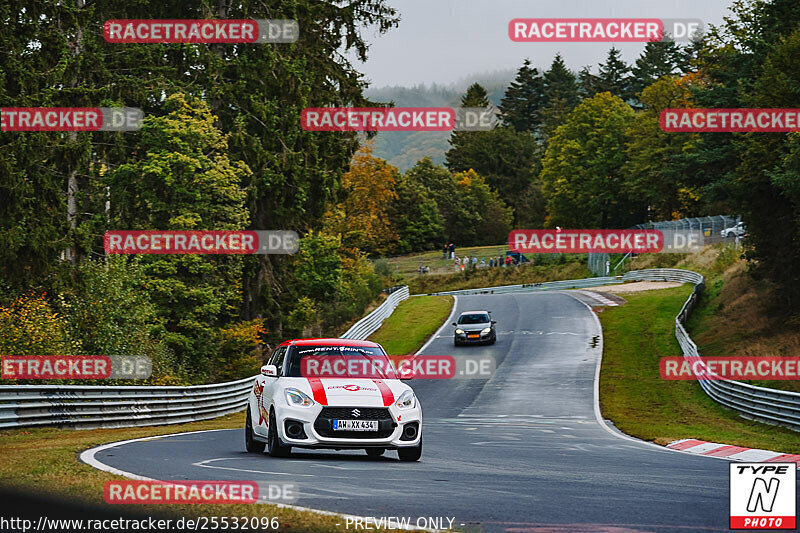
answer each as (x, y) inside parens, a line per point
(473, 336)
(355, 425)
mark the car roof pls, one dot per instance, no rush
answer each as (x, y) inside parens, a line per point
(329, 342)
(475, 312)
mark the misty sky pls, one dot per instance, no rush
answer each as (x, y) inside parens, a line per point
(443, 41)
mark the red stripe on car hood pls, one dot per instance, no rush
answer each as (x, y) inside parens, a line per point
(318, 390)
(386, 392)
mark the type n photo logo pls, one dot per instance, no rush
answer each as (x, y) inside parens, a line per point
(763, 495)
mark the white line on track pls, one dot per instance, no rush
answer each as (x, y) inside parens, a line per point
(203, 464)
(597, 415)
(88, 457)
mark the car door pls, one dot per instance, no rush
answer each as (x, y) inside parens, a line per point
(265, 389)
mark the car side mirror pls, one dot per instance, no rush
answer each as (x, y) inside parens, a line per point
(494, 321)
(455, 324)
(269, 370)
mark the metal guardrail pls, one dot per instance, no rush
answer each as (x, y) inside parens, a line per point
(370, 323)
(772, 406)
(544, 286)
(98, 406)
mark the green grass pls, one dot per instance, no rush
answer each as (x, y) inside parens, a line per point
(640, 403)
(412, 323)
(406, 265)
(490, 277)
(44, 461)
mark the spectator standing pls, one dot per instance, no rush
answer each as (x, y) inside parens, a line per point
(483, 262)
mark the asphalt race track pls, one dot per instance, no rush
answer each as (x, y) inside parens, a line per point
(522, 451)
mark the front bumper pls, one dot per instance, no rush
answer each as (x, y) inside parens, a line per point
(464, 338)
(318, 432)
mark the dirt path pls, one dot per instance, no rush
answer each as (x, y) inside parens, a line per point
(637, 286)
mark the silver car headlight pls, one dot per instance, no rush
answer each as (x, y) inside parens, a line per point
(407, 400)
(298, 398)
(459, 331)
(486, 331)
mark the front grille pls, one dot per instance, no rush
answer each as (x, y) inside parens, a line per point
(323, 425)
(366, 413)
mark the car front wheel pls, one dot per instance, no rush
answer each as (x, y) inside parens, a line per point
(274, 445)
(410, 454)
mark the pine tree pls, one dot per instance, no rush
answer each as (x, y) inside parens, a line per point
(523, 99)
(659, 58)
(587, 83)
(614, 75)
(560, 95)
(475, 96)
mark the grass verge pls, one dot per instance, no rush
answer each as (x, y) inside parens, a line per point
(640, 403)
(412, 323)
(44, 461)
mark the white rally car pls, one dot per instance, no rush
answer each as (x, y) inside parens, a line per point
(313, 393)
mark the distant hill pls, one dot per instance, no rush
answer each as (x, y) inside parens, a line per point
(404, 148)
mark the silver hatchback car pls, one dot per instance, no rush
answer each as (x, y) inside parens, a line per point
(474, 327)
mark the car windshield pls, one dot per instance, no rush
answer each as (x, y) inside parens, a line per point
(477, 318)
(339, 362)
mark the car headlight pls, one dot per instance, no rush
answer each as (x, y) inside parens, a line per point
(298, 398)
(459, 331)
(486, 331)
(407, 400)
